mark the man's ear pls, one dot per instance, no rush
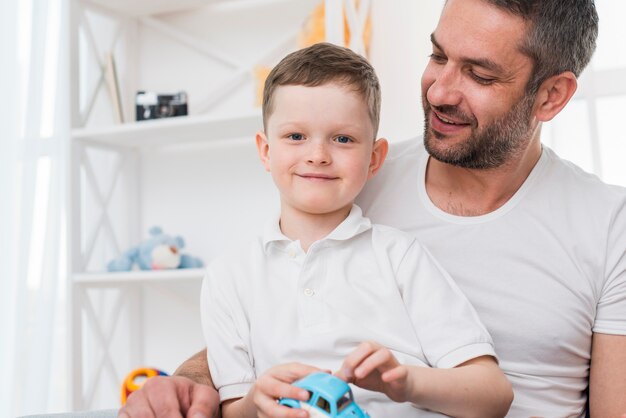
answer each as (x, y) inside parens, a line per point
(553, 94)
(263, 148)
(379, 153)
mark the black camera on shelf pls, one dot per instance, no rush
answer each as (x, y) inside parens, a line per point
(150, 105)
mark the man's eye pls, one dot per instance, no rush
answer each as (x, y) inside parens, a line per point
(481, 80)
(437, 58)
(343, 139)
(296, 137)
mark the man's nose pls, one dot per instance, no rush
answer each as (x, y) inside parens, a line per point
(445, 88)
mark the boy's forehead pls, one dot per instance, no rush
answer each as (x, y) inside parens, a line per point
(327, 105)
(330, 87)
(334, 82)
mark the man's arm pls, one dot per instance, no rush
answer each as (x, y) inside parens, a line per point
(196, 368)
(607, 381)
(189, 393)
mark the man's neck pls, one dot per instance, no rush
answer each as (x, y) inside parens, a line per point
(474, 192)
(310, 227)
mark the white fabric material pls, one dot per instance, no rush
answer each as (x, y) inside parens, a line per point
(34, 128)
(544, 271)
(270, 303)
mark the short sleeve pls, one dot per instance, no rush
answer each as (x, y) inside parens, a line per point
(226, 335)
(611, 313)
(446, 324)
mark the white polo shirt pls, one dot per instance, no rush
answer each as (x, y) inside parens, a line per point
(271, 303)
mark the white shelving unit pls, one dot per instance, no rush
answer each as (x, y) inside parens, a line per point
(132, 277)
(196, 176)
(160, 132)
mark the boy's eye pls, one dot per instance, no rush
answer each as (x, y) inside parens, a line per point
(296, 137)
(343, 139)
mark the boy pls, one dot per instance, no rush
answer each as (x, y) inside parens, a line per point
(325, 286)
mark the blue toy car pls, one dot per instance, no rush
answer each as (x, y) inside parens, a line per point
(329, 396)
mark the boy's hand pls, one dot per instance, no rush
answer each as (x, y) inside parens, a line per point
(276, 383)
(372, 366)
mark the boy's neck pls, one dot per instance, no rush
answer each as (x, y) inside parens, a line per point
(310, 227)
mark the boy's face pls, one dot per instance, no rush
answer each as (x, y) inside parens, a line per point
(319, 147)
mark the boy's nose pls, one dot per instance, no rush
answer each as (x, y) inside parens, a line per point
(319, 155)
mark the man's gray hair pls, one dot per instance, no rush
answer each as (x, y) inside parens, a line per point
(561, 35)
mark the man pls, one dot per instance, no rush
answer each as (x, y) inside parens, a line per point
(537, 245)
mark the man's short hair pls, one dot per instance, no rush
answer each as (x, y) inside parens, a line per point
(320, 64)
(561, 35)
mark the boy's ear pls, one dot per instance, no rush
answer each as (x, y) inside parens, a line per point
(379, 153)
(263, 148)
(554, 93)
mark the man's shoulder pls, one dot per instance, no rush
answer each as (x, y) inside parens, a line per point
(393, 192)
(394, 242)
(402, 157)
(576, 183)
(405, 149)
(385, 234)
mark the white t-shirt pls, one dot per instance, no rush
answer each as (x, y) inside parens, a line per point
(544, 271)
(270, 303)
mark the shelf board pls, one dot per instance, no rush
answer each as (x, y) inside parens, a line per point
(136, 8)
(138, 277)
(173, 131)
(148, 7)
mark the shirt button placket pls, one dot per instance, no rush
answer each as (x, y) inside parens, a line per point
(307, 302)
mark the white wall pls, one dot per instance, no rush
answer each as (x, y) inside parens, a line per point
(399, 52)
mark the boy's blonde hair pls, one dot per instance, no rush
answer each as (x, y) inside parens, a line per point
(320, 64)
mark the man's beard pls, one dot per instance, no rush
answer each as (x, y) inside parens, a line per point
(490, 147)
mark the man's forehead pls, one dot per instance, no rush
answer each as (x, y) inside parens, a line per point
(478, 32)
(481, 61)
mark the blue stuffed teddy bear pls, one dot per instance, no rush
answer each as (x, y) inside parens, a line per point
(160, 251)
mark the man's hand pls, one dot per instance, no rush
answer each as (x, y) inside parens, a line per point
(172, 397)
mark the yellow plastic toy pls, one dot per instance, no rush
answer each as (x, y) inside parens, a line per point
(136, 379)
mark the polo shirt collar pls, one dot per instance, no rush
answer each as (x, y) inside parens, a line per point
(352, 226)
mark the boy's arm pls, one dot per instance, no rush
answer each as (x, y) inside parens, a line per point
(476, 388)
(274, 384)
(453, 340)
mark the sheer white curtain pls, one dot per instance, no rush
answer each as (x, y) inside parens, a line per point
(34, 130)
(589, 130)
